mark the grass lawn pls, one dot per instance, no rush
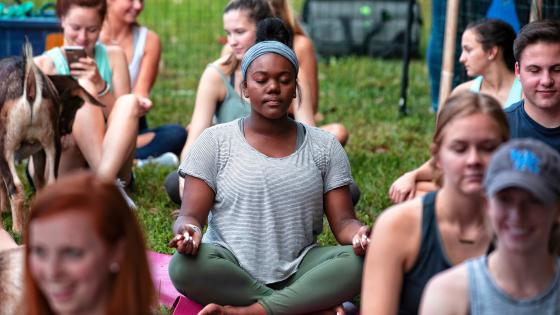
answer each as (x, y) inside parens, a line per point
(362, 93)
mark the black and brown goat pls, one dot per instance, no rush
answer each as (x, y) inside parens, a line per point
(35, 111)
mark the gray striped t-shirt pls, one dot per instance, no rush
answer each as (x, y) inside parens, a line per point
(267, 211)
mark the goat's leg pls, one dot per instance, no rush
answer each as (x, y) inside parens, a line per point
(3, 201)
(50, 166)
(3, 197)
(15, 190)
(39, 169)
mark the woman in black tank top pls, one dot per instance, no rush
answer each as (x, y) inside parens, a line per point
(414, 240)
(522, 275)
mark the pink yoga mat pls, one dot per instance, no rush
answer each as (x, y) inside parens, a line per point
(167, 293)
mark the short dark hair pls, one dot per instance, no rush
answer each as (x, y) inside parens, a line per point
(495, 33)
(274, 28)
(547, 31)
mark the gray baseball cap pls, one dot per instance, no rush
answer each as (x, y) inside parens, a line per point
(528, 164)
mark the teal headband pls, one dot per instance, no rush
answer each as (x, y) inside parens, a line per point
(265, 47)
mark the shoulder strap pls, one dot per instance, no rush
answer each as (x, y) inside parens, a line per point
(515, 93)
(60, 63)
(103, 64)
(138, 43)
(477, 83)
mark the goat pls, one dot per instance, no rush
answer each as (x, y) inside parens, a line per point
(11, 278)
(35, 111)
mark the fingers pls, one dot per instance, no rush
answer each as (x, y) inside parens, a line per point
(400, 195)
(340, 310)
(144, 104)
(360, 241)
(357, 245)
(184, 243)
(364, 241)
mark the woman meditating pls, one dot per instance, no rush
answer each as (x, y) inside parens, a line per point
(263, 183)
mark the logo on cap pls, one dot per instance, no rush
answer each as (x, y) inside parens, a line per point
(525, 160)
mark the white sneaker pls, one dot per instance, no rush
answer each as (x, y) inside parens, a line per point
(121, 185)
(166, 159)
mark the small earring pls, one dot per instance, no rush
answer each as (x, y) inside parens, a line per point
(114, 267)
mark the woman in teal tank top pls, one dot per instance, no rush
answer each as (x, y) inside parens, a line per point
(488, 56)
(102, 138)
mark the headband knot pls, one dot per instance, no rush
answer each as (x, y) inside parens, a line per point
(265, 47)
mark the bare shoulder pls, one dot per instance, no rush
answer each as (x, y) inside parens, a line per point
(447, 293)
(400, 224)
(45, 63)
(211, 86)
(465, 86)
(152, 41)
(213, 72)
(403, 216)
(303, 45)
(114, 51)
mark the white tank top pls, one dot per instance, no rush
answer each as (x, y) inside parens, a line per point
(139, 41)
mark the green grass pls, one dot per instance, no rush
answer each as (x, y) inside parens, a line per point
(362, 93)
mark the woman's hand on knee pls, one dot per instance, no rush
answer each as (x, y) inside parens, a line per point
(360, 241)
(187, 240)
(144, 105)
(404, 188)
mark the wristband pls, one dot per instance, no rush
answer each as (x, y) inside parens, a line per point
(105, 90)
(194, 227)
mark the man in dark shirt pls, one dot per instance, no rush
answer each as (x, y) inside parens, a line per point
(537, 50)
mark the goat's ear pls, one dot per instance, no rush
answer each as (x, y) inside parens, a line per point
(83, 94)
(66, 84)
(30, 85)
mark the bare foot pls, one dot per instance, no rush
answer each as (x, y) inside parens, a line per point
(338, 310)
(215, 309)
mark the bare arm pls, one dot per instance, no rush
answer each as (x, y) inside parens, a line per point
(196, 205)
(395, 242)
(210, 92)
(343, 222)
(465, 86)
(447, 293)
(404, 188)
(307, 78)
(46, 64)
(120, 79)
(149, 66)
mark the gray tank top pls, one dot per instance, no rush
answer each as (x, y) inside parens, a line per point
(233, 106)
(486, 298)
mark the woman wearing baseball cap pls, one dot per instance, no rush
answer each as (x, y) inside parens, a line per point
(521, 276)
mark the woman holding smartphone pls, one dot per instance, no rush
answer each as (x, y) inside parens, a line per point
(102, 138)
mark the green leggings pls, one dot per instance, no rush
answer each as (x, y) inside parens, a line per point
(326, 277)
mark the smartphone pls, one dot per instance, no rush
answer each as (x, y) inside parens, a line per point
(74, 53)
